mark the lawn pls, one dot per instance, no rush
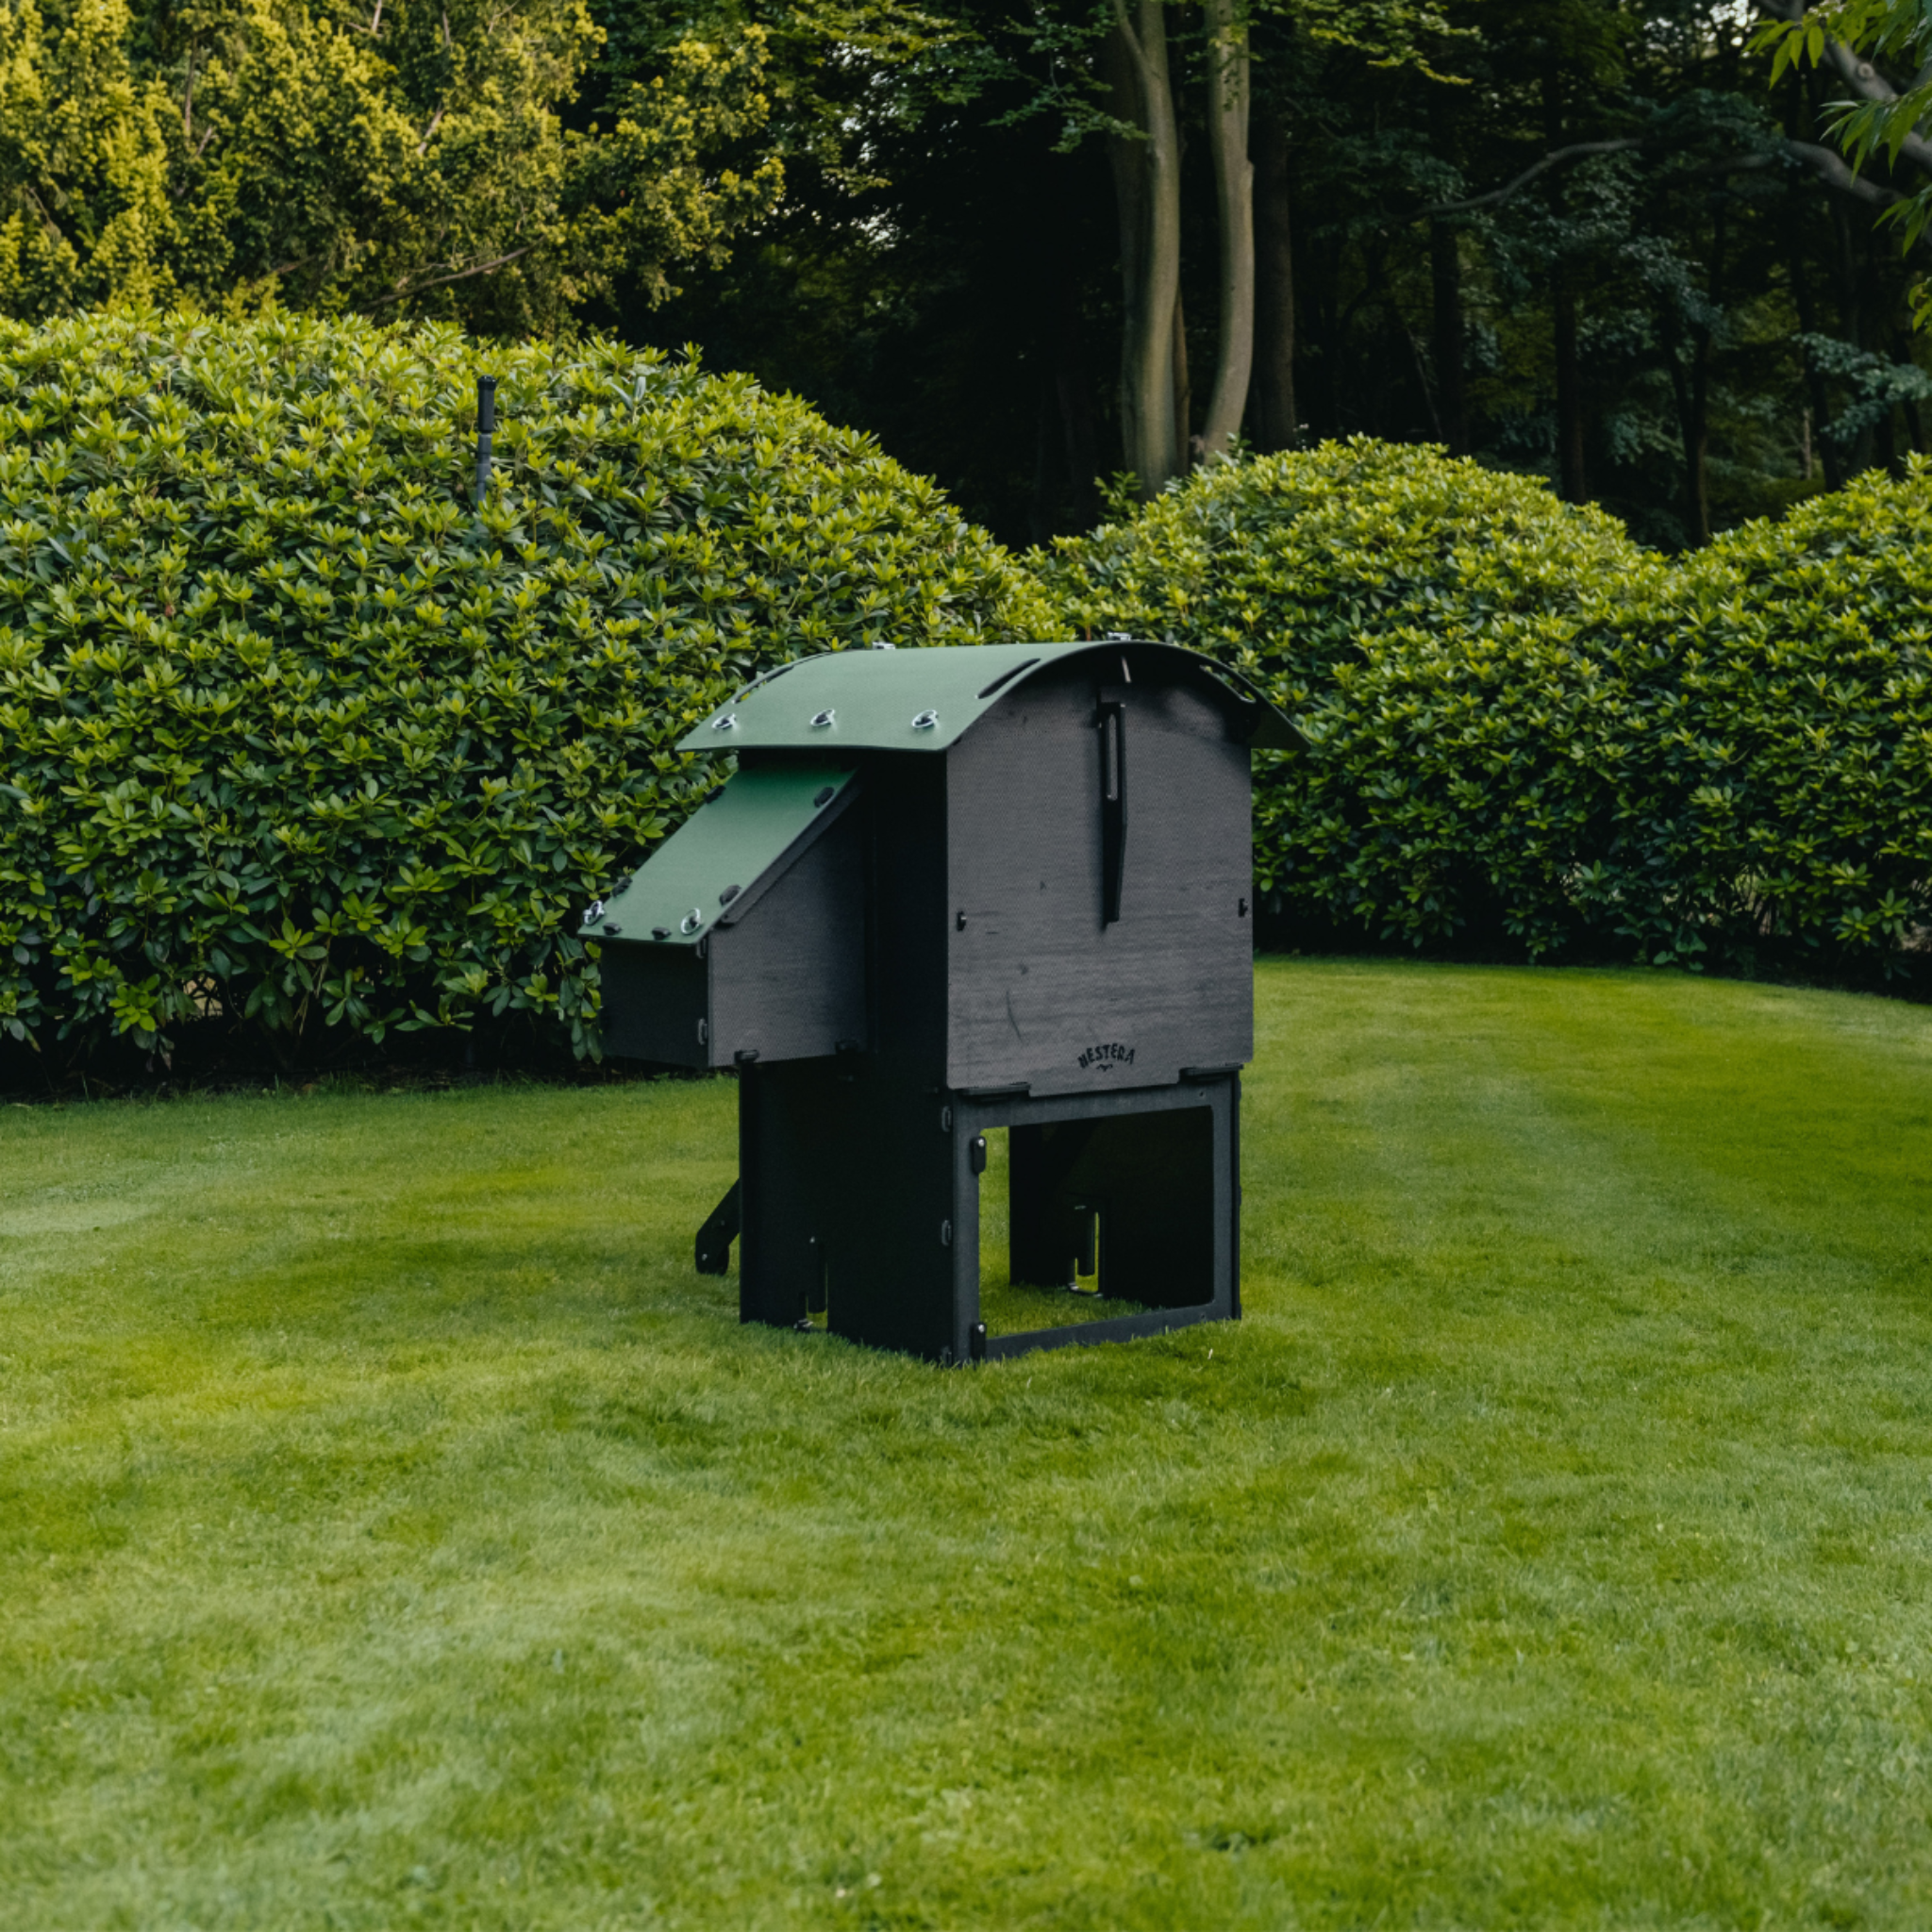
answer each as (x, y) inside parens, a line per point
(394, 1529)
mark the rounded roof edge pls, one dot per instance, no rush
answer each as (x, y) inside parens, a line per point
(927, 698)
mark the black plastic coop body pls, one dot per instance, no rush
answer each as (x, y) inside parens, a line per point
(949, 890)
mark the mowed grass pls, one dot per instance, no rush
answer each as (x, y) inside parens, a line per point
(394, 1529)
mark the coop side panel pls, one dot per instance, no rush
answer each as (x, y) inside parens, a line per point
(653, 1002)
(790, 1188)
(789, 983)
(1041, 991)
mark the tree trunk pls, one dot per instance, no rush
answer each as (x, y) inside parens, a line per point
(1147, 189)
(1183, 396)
(1276, 422)
(1857, 454)
(1045, 448)
(1060, 350)
(1690, 386)
(1697, 446)
(1234, 199)
(1799, 126)
(1445, 277)
(1830, 456)
(1909, 407)
(1076, 427)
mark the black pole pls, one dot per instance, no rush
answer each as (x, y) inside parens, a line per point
(485, 428)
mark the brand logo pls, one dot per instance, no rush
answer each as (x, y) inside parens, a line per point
(1106, 1055)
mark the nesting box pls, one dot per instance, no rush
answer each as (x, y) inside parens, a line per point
(945, 892)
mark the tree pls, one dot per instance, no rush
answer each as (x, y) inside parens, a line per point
(1146, 158)
(406, 158)
(1854, 40)
(1145, 145)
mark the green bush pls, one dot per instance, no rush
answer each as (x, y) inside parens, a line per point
(1526, 731)
(1724, 760)
(1389, 598)
(1285, 565)
(1770, 752)
(291, 733)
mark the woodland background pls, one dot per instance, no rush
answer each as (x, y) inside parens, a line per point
(1597, 239)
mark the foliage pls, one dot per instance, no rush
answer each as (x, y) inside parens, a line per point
(1899, 31)
(1772, 759)
(1413, 612)
(395, 1530)
(293, 733)
(403, 158)
(1726, 760)
(1527, 732)
(1281, 564)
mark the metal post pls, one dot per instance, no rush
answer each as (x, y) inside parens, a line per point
(485, 428)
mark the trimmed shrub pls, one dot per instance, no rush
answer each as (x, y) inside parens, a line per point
(1389, 598)
(1454, 794)
(1285, 565)
(1724, 761)
(1528, 733)
(1771, 750)
(292, 734)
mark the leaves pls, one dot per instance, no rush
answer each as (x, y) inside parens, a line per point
(1527, 731)
(293, 733)
(1899, 30)
(399, 156)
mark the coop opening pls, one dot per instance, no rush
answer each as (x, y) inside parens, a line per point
(1088, 1221)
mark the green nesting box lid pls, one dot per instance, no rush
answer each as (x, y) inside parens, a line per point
(927, 699)
(720, 861)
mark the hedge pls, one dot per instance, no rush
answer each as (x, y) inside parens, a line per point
(1285, 564)
(291, 733)
(1528, 733)
(1770, 756)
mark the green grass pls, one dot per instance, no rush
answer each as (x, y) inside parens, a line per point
(1015, 1308)
(394, 1528)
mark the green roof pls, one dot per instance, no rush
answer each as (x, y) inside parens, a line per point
(716, 865)
(925, 700)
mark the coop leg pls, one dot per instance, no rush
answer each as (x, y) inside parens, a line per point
(719, 1231)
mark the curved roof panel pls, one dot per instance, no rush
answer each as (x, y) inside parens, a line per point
(927, 699)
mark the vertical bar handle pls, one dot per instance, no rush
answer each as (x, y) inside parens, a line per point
(1113, 805)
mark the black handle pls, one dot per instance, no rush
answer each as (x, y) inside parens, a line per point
(1113, 805)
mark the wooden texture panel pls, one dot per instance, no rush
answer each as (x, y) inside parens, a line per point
(788, 981)
(789, 1199)
(847, 1167)
(654, 998)
(1039, 991)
